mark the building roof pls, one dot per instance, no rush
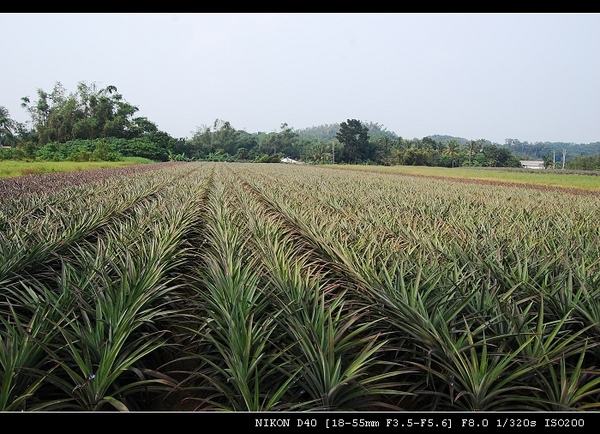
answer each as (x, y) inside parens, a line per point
(532, 163)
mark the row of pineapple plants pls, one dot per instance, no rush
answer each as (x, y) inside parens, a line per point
(85, 320)
(244, 287)
(273, 331)
(37, 226)
(488, 295)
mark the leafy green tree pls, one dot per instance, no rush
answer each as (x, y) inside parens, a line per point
(382, 146)
(200, 144)
(431, 143)
(289, 141)
(285, 142)
(415, 156)
(219, 139)
(500, 157)
(103, 151)
(40, 111)
(268, 143)
(473, 147)
(89, 114)
(50, 152)
(318, 151)
(584, 162)
(354, 135)
(395, 156)
(142, 147)
(6, 154)
(26, 151)
(162, 140)
(141, 126)
(247, 141)
(225, 137)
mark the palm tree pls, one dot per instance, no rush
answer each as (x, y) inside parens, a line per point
(6, 127)
(472, 147)
(452, 150)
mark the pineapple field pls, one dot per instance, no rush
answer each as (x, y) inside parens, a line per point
(206, 286)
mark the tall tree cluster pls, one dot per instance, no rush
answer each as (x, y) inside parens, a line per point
(89, 113)
(355, 137)
(91, 123)
(97, 123)
(352, 144)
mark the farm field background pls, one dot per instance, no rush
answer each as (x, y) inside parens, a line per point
(545, 178)
(270, 287)
(12, 168)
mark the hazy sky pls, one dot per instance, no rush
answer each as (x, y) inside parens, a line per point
(526, 76)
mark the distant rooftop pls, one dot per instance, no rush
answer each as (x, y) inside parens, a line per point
(533, 164)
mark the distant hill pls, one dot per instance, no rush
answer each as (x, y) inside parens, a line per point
(539, 150)
(328, 132)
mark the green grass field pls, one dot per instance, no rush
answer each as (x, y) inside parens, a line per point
(552, 179)
(12, 168)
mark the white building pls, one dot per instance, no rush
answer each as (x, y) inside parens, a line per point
(532, 164)
(289, 160)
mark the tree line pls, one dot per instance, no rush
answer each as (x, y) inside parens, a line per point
(96, 123)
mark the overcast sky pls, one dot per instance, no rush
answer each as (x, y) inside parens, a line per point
(526, 76)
